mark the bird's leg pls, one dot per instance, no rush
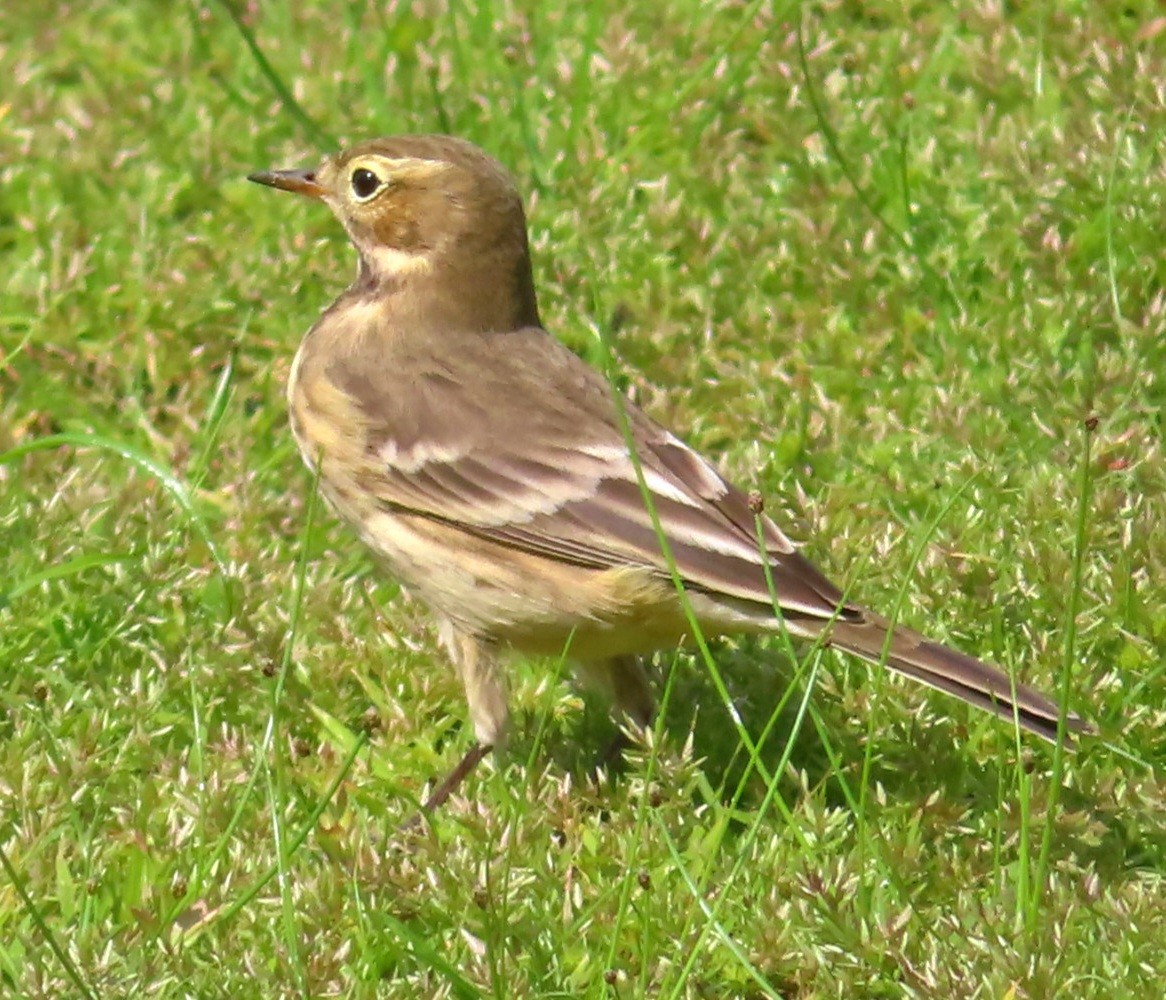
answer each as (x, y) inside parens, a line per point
(439, 796)
(482, 675)
(455, 777)
(626, 682)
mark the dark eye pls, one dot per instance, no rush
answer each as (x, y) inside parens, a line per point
(364, 183)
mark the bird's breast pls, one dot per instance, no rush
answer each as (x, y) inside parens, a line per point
(329, 427)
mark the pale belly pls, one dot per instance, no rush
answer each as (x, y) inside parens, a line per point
(533, 604)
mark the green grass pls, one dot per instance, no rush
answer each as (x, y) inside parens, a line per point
(885, 263)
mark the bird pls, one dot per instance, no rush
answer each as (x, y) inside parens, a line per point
(497, 476)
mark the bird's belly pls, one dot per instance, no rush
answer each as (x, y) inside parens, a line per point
(535, 605)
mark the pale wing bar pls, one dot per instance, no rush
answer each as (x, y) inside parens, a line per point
(582, 508)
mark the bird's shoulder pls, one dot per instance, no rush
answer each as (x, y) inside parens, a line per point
(412, 382)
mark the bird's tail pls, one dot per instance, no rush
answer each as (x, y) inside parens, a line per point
(949, 670)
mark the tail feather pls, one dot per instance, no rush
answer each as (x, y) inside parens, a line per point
(956, 673)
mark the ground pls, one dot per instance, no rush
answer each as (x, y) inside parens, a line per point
(896, 267)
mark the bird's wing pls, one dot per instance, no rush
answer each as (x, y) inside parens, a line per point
(524, 449)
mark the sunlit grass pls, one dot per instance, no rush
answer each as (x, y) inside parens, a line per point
(900, 273)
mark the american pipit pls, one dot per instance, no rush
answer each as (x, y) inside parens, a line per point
(485, 465)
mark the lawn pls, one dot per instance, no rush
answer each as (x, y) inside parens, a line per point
(897, 267)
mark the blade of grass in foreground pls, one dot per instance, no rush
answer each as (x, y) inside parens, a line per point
(220, 849)
(922, 540)
(933, 277)
(315, 132)
(212, 424)
(752, 746)
(39, 922)
(712, 913)
(58, 571)
(169, 481)
(694, 628)
(423, 951)
(293, 845)
(1031, 902)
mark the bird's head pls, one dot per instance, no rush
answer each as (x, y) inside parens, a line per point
(424, 207)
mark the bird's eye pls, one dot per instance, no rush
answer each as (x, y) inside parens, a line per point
(364, 183)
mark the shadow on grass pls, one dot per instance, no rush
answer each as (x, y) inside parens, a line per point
(928, 755)
(577, 742)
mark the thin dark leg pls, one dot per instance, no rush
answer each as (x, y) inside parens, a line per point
(459, 774)
(450, 785)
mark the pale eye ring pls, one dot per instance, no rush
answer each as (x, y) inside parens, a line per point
(365, 183)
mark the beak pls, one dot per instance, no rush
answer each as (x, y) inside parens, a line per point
(297, 181)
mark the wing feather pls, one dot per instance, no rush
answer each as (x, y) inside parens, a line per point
(523, 448)
(592, 513)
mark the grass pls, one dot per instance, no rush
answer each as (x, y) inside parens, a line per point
(899, 269)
